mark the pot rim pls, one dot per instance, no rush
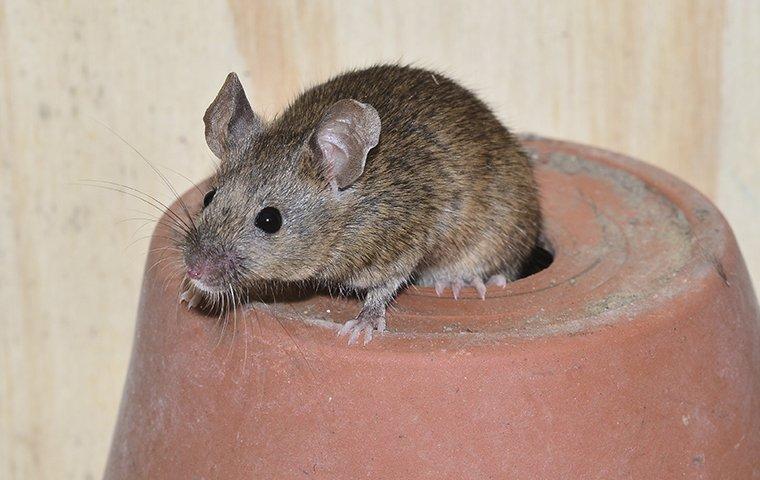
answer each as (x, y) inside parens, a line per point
(703, 225)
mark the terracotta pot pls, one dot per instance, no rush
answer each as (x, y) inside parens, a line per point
(635, 354)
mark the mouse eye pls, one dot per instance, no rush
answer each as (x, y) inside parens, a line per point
(208, 197)
(269, 220)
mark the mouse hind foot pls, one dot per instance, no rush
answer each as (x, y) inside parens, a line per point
(480, 286)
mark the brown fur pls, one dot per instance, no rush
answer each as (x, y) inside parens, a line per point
(447, 192)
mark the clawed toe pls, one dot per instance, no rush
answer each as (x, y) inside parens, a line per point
(191, 295)
(479, 286)
(476, 283)
(347, 327)
(361, 325)
(498, 281)
(456, 288)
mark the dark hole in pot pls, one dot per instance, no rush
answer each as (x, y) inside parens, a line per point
(541, 257)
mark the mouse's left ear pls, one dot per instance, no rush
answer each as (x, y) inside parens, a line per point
(230, 121)
(347, 132)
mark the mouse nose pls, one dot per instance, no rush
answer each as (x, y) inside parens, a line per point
(195, 272)
(199, 268)
(209, 269)
(204, 270)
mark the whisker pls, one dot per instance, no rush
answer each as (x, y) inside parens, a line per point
(223, 322)
(159, 262)
(161, 175)
(172, 278)
(150, 236)
(166, 247)
(290, 335)
(174, 226)
(234, 320)
(127, 190)
(149, 220)
(197, 188)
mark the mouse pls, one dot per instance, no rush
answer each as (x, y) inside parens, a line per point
(371, 181)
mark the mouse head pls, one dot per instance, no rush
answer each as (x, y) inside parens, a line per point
(281, 196)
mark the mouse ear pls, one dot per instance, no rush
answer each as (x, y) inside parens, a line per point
(347, 132)
(230, 121)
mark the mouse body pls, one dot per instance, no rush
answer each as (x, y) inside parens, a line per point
(370, 181)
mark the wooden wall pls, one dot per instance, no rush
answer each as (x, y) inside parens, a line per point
(673, 82)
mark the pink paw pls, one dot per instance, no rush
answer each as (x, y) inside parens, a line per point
(191, 295)
(456, 285)
(365, 323)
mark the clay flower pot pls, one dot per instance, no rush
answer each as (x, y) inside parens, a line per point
(635, 354)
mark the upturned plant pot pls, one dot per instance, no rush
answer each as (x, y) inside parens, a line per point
(634, 354)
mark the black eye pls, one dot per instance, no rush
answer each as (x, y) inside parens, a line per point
(269, 219)
(209, 196)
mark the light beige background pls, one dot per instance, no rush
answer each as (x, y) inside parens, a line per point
(675, 83)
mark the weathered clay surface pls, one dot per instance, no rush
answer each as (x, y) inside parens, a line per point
(636, 354)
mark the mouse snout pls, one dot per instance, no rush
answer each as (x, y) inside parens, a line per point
(209, 272)
(197, 272)
(202, 269)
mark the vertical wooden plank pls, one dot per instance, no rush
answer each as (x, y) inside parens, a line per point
(17, 405)
(69, 281)
(637, 77)
(738, 193)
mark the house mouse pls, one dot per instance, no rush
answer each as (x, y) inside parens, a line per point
(376, 179)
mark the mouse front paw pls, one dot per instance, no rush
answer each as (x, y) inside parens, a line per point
(191, 295)
(366, 322)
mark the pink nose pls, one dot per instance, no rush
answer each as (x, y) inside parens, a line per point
(195, 272)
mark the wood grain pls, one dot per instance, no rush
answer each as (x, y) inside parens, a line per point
(673, 83)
